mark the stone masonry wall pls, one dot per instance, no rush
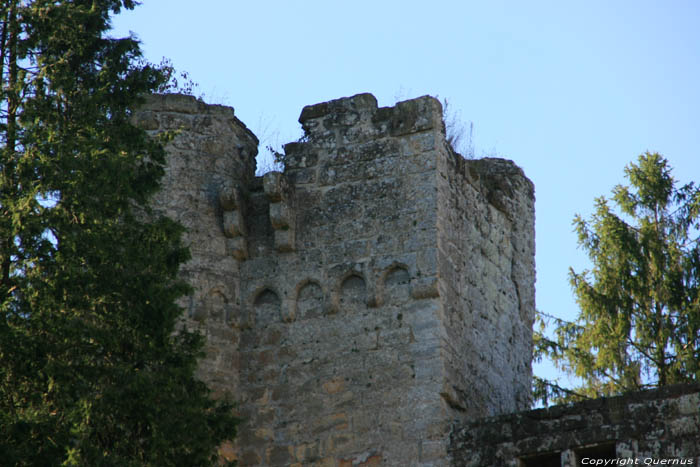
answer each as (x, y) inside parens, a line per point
(486, 250)
(343, 346)
(211, 151)
(657, 427)
(364, 299)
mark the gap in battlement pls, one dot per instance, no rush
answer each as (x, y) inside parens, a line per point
(261, 233)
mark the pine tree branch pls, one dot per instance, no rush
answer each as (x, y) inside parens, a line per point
(555, 318)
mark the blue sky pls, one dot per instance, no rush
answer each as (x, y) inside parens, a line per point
(572, 91)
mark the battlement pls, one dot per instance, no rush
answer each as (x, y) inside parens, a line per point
(359, 302)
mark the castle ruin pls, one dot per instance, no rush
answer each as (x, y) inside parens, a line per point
(364, 302)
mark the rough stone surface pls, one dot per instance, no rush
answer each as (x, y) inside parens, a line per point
(657, 427)
(373, 303)
(486, 261)
(364, 299)
(211, 156)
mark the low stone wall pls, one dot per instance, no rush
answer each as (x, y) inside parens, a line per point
(656, 427)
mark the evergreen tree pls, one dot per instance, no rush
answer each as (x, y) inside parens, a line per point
(92, 371)
(639, 324)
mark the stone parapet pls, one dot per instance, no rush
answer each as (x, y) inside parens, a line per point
(376, 290)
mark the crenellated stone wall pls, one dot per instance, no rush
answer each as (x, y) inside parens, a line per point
(212, 153)
(360, 302)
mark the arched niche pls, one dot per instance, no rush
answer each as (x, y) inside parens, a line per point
(309, 302)
(267, 306)
(213, 307)
(353, 291)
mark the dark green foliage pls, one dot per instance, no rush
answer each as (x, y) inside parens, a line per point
(639, 324)
(92, 371)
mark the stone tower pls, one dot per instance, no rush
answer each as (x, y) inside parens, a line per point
(360, 302)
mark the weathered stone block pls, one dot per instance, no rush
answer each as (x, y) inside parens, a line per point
(234, 224)
(230, 199)
(284, 240)
(237, 247)
(280, 215)
(275, 186)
